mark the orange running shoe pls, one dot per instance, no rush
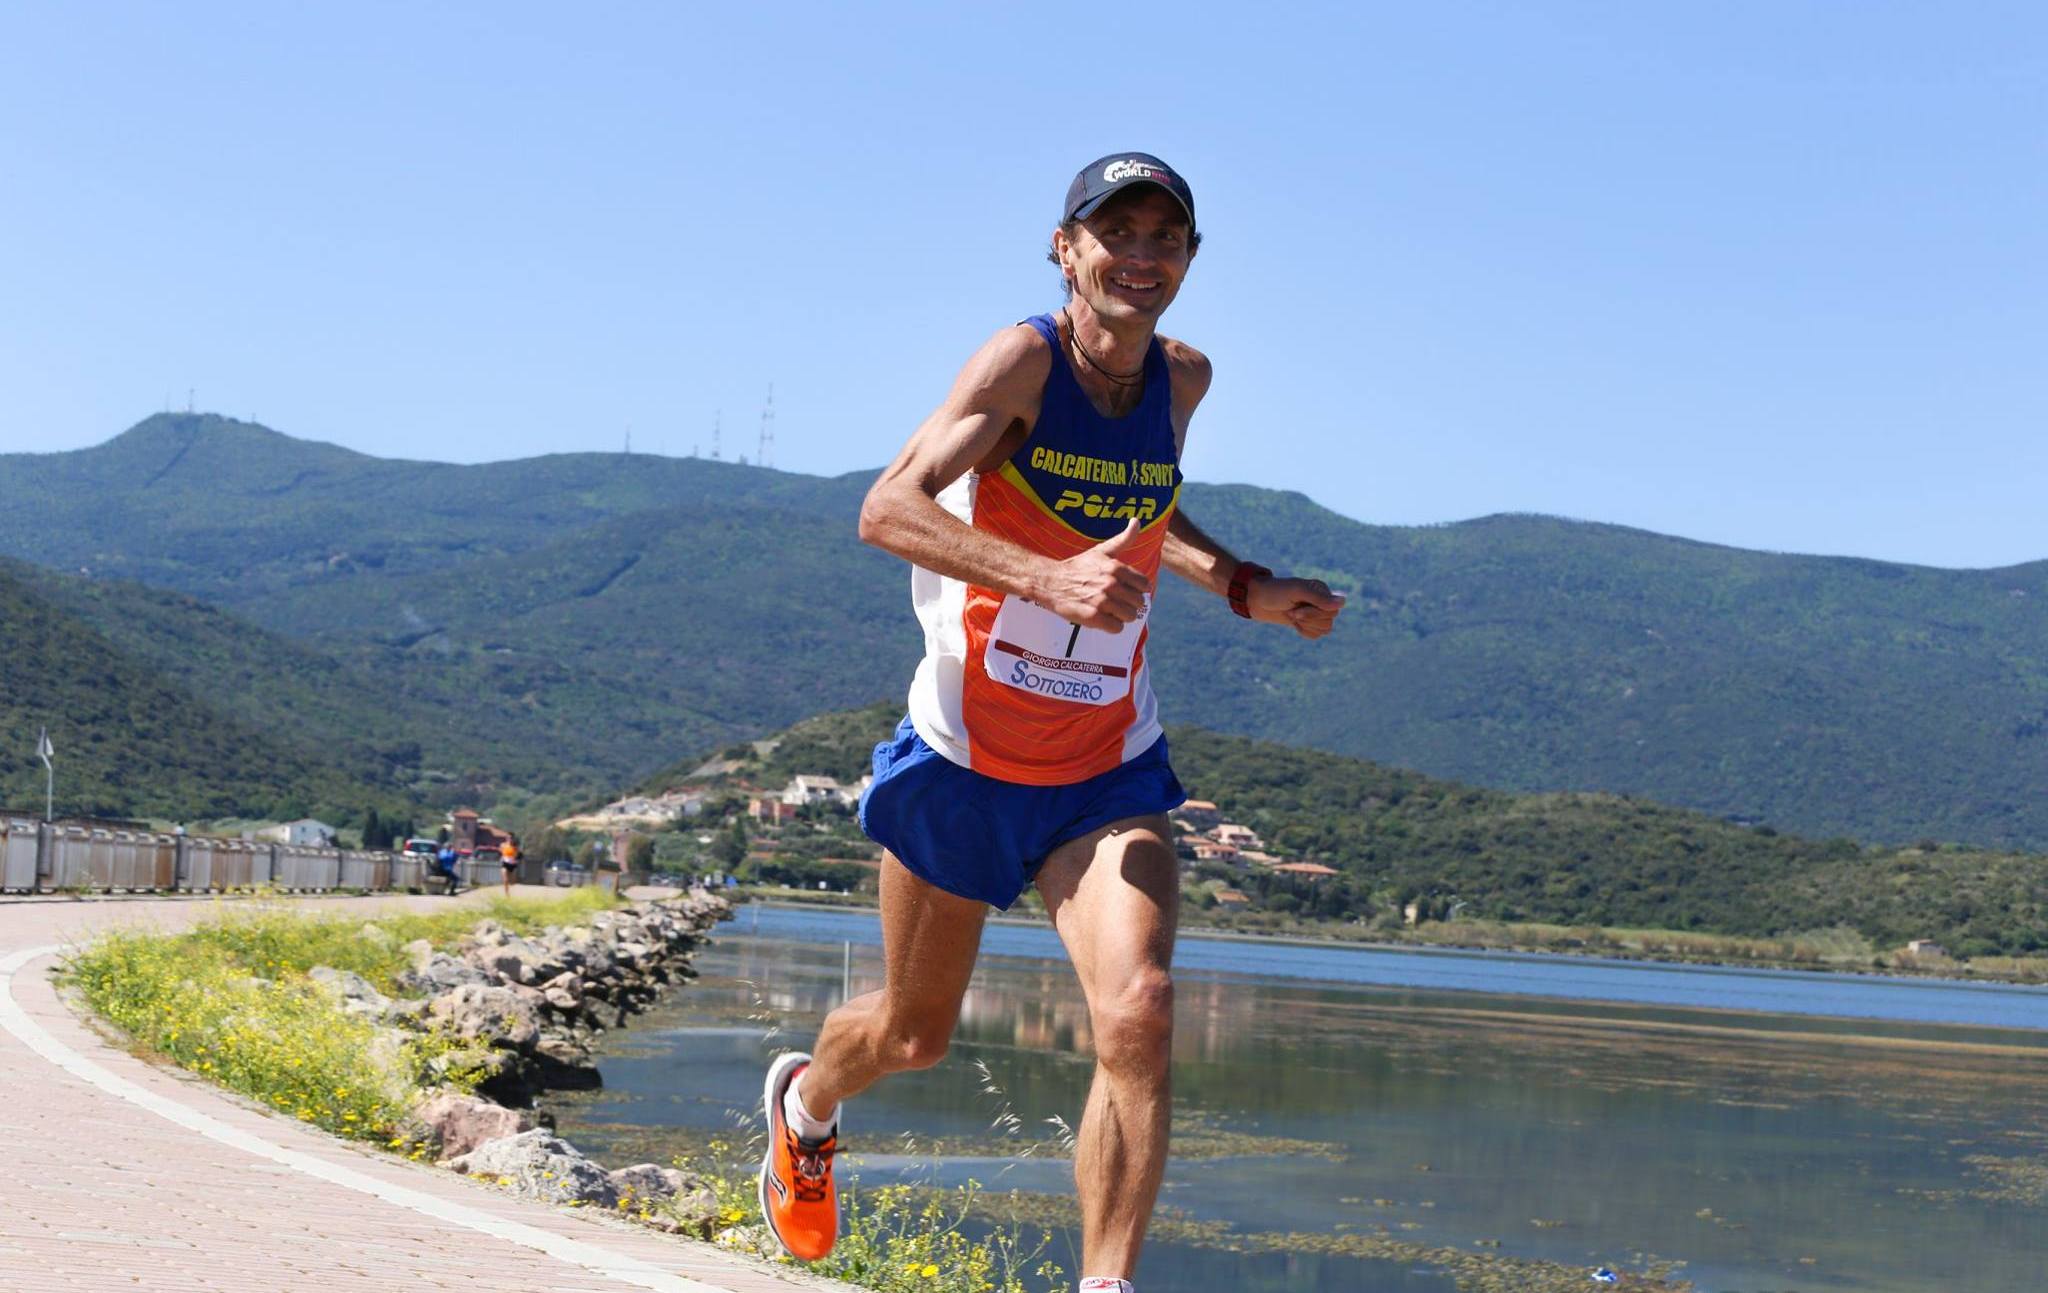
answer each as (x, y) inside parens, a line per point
(797, 1195)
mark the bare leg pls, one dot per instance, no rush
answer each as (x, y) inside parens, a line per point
(1114, 897)
(929, 941)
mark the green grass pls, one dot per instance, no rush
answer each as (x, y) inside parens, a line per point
(261, 1029)
(294, 943)
(230, 1000)
(895, 1239)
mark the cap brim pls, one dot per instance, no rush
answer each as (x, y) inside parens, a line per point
(1092, 205)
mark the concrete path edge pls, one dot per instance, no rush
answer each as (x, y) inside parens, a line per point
(575, 1252)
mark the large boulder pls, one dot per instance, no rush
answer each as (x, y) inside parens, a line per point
(585, 951)
(516, 960)
(480, 1012)
(357, 995)
(389, 1057)
(564, 992)
(435, 972)
(480, 1062)
(666, 1199)
(453, 1124)
(541, 1165)
(561, 1063)
(648, 1181)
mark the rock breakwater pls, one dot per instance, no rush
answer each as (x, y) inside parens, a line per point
(529, 1010)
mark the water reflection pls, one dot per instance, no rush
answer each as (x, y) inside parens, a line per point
(1771, 1152)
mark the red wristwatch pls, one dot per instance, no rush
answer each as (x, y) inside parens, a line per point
(1240, 583)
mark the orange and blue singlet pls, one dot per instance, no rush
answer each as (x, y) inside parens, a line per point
(1006, 687)
(1027, 731)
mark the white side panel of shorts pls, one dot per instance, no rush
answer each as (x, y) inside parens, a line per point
(941, 603)
(1144, 729)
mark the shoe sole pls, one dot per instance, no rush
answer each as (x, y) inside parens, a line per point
(771, 1097)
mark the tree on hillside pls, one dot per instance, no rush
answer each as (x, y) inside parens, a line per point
(376, 835)
(640, 853)
(549, 844)
(731, 848)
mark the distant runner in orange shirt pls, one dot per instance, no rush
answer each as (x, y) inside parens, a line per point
(508, 861)
(1037, 507)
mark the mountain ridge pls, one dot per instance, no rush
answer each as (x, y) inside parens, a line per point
(133, 740)
(616, 609)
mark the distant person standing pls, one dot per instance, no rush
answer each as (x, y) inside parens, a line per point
(508, 859)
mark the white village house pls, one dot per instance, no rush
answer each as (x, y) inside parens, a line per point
(1243, 837)
(306, 831)
(676, 803)
(808, 789)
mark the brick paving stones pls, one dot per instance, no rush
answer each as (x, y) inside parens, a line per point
(98, 1192)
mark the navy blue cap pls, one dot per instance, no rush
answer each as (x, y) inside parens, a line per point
(1104, 177)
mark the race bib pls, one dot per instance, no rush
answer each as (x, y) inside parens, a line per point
(1034, 650)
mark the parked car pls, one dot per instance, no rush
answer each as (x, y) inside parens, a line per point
(420, 848)
(489, 855)
(566, 874)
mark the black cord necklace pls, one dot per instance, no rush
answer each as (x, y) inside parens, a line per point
(1121, 379)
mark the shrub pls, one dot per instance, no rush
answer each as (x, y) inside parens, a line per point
(263, 1030)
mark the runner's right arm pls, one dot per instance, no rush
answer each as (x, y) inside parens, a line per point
(984, 417)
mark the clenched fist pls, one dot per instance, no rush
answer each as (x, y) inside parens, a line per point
(1096, 589)
(1306, 605)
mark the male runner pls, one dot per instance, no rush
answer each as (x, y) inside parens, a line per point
(1037, 506)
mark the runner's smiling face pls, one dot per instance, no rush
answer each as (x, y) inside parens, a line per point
(1127, 260)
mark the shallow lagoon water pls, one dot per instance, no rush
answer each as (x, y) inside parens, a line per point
(1857, 1147)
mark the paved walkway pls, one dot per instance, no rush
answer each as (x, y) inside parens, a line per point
(116, 1174)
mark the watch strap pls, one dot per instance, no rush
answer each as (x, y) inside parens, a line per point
(1240, 585)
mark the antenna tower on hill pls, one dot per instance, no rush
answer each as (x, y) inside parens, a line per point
(717, 425)
(765, 456)
(629, 437)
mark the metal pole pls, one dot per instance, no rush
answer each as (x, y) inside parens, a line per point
(846, 975)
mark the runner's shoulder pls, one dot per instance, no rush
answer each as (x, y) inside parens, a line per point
(1190, 367)
(1006, 373)
(1018, 350)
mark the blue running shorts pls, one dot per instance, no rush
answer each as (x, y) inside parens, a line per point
(984, 839)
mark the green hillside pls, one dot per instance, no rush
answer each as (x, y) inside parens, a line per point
(1827, 695)
(594, 616)
(132, 741)
(1593, 859)
(376, 725)
(1562, 859)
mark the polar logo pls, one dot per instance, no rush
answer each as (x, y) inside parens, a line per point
(1125, 170)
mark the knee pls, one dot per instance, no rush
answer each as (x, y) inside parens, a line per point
(917, 1046)
(1134, 1024)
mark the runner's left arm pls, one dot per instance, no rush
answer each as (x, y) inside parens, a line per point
(1305, 605)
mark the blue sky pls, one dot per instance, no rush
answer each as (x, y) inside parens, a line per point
(1767, 274)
